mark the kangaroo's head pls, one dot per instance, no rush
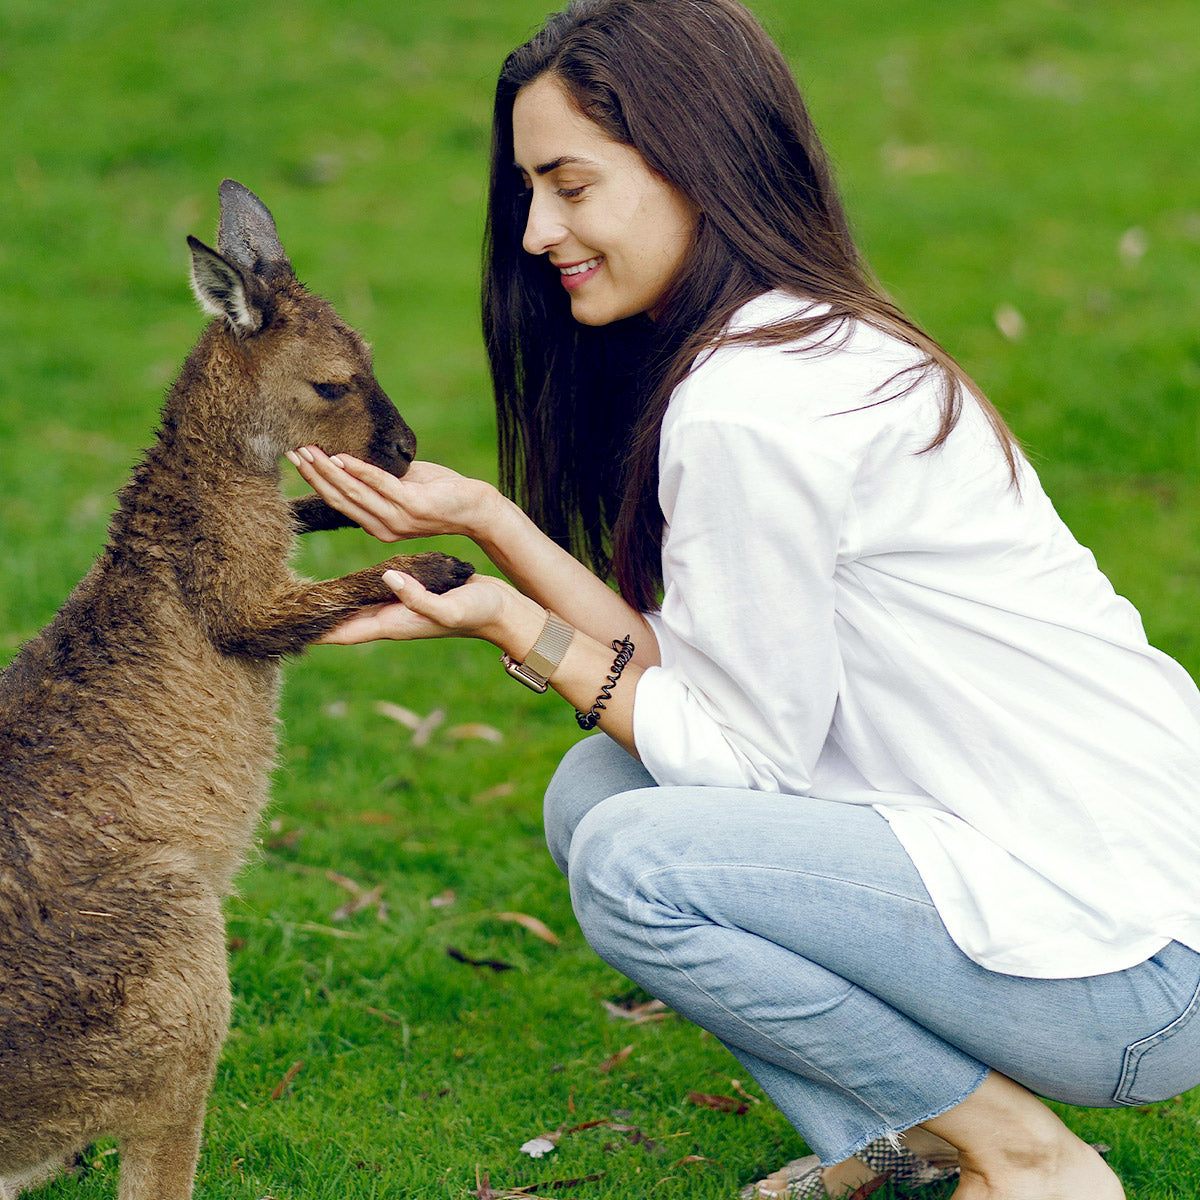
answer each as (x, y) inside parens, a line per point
(288, 371)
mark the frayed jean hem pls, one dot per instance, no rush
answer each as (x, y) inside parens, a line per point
(895, 1136)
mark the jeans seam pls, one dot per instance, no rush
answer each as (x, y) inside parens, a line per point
(775, 870)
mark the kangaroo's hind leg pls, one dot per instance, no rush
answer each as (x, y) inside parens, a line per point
(12, 1186)
(179, 1016)
(160, 1164)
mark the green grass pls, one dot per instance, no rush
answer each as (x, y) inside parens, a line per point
(993, 153)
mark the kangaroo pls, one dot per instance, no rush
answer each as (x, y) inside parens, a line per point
(137, 729)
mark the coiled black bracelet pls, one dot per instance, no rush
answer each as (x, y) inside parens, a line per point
(591, 718)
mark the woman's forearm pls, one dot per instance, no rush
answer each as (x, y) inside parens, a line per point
(547, 574)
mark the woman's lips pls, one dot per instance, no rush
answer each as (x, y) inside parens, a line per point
(574, 275)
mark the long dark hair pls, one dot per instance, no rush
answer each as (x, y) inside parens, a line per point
(703, 94)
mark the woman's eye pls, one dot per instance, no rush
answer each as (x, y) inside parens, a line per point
(331, 391)
(571, 193)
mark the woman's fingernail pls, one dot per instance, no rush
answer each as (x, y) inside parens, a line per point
(337, 462)
(394, 580)
(292, 457)
(306, 454)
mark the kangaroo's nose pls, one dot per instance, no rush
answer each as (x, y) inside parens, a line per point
(406, 443)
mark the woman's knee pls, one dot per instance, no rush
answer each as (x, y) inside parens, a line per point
(611, 848)
(590, 772)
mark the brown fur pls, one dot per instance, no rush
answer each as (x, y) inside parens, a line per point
(138, 729)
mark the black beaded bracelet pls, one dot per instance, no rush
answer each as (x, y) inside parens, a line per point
(591, 718)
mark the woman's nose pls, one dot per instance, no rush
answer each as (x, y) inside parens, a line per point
(542, 230)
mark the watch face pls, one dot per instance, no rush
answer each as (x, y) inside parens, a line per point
(520, 671)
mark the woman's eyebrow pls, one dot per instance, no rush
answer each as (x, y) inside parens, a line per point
(565, 160)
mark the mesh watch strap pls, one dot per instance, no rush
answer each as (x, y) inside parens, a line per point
(546, 654)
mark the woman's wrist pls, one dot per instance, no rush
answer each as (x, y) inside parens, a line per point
(495, 522)
(517, 624)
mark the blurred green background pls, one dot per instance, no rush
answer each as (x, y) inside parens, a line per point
(1023, 176)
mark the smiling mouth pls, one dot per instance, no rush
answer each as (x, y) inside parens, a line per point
(577, 274)
(581, 268)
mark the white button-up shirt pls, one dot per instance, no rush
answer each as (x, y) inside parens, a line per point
(849, 618)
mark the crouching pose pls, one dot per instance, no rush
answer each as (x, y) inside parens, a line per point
(890, 792)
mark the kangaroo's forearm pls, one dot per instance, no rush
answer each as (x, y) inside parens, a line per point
(293, 617)
(311, 513)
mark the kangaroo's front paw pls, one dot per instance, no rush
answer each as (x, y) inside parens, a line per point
(438, 572)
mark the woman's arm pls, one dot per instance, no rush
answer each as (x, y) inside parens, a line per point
(489, 608)
(431, 499)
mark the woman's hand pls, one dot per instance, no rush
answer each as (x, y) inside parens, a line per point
(428, 500)
(476, 609)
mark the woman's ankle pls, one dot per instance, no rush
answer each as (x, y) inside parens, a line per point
(1013, 1147)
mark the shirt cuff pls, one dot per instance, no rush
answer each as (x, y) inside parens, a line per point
(678, 742)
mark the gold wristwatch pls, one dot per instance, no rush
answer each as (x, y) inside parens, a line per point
(546, 654)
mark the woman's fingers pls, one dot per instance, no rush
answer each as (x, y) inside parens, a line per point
(374, 477)
(462, 611)
(430, 499)
(342, 490)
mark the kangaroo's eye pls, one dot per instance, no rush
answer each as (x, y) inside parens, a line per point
(331, 391)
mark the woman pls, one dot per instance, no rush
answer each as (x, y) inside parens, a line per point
(894, 797)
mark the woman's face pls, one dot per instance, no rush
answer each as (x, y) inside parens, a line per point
(616, 231)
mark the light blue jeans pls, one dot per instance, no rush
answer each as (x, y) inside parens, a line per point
(799, 933)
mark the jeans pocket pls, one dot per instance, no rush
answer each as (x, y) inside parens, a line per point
(1164, 1064)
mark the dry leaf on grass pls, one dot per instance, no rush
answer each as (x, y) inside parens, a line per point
(546, 1142)
(720, 1103)
(619, 1057)
(741, 1091)
(285, 841)
(424, 731)
(397, 712)
(485, 1191)
(422, 727)
(443, 899)
(375, 1012)
(483, 1185)
(636, 1014)
(868, 1188)
(361, 897)
(497, 792)
(539, 1146)
(371, 899)
(536, 927)
(635, 1137)
(493, 964)
(475, 731)
(288, 1076)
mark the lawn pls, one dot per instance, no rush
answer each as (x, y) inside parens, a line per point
(1023, 176)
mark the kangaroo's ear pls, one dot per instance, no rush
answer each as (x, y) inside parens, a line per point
(246, 234)
(224, 291)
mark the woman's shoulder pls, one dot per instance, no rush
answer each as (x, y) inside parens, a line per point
(802, 369)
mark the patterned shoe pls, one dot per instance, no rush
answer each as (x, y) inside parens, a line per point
(802, 1179)
(907, 1171)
